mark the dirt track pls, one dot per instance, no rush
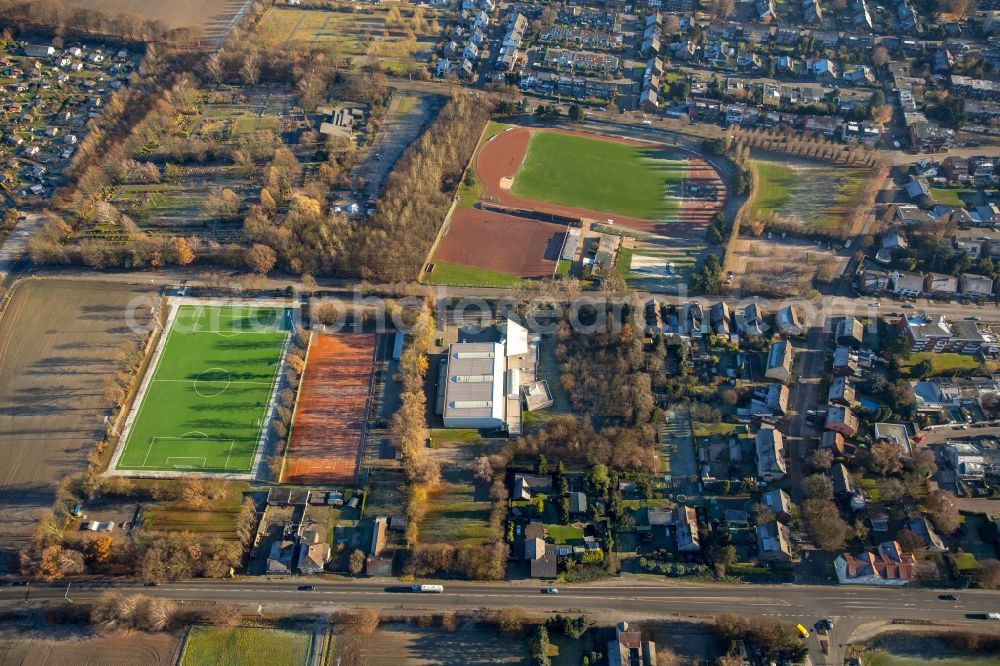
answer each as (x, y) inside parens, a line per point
(501, 157)
(504, 243)
(58, 345)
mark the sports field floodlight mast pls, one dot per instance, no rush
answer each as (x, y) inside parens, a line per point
(107, 422)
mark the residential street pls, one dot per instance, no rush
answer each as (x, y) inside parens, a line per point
(804, 396)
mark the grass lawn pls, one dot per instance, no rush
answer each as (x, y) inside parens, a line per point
(250, 124)
(943, 364)
(218, 522)
(600, 175)
(454, 516)
(953, 196)
(208, 396)
(230, 646)
(623, 265)
(446, 272)
(407, 103)
(470, 190)
(819, 198)
(564, 267)
(461, 435)
(709, 429)
(655, 503)
(564, 534)
(774, 181)
(495, 128)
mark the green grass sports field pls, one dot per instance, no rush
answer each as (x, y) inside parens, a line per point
(207, 400)
(601, 175)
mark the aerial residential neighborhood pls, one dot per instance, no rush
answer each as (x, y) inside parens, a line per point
(589, 332)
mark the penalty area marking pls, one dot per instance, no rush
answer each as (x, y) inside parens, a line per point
(183, 438)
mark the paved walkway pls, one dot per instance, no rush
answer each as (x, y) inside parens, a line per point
(17, 243)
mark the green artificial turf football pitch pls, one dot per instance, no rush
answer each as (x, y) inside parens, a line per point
(606, 176)
(207, 401)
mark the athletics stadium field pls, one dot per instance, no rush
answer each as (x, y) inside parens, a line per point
(642, 181)
(206, 402)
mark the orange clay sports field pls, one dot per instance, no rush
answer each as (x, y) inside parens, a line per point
(328, 430)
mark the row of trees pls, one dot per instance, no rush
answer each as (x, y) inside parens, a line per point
(477, 562)
(394, 243)
(569, 439)
(409, 424)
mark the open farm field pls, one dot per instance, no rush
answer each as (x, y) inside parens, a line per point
(59, 346)
(214, 17)
(596, 174)
(115, 648)
(515, 246)
(819, 197)
(348, 35)
(206, 401)
(236, 646)
(332, 410)
(404, 645)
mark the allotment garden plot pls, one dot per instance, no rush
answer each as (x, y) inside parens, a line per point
(206, 404)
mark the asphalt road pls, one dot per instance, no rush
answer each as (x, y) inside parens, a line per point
(627, 598)
(624, 596)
